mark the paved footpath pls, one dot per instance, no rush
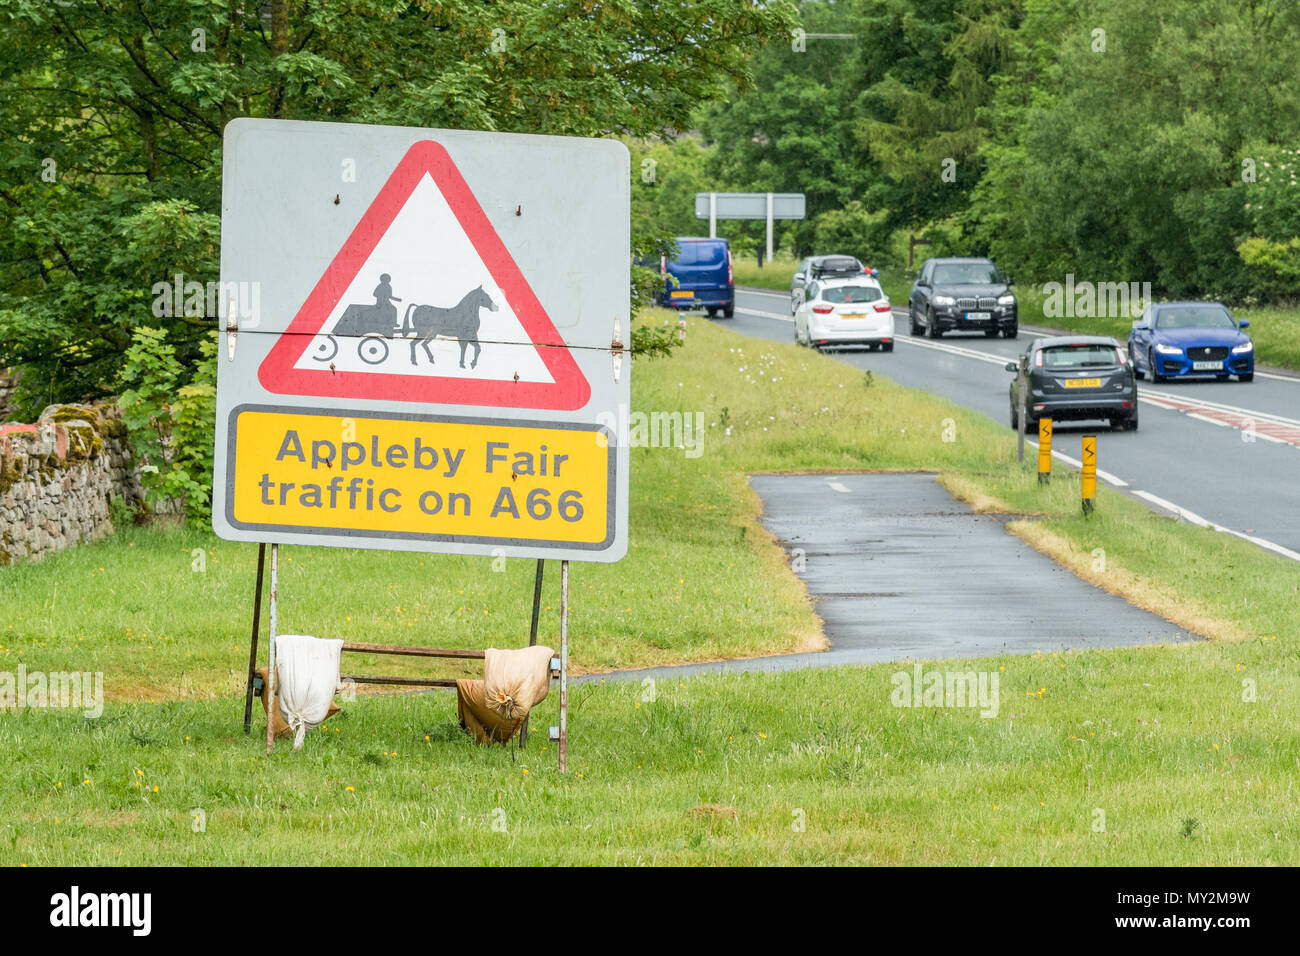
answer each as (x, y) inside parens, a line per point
(900, 570)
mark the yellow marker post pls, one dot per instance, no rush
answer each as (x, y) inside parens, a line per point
(1044, 450)
(1089, 458)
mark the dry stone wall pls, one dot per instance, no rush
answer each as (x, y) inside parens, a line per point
(58, 477)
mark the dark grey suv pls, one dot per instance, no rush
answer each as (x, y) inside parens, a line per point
(962, 295)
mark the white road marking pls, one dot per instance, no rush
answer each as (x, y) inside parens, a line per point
(1105, 476)
(1204, 418)
(840, 487)
(1198, 520)
(765, 315)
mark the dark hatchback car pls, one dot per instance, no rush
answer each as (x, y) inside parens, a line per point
(962, 295)
(1073, 377)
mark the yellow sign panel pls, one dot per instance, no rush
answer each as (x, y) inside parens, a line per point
(1089, 459)
(422, 477)
(1044, 446)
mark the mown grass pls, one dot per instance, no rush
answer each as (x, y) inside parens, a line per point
(1191, 739)
(1118, 757)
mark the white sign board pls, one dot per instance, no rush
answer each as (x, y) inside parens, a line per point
(427, 362)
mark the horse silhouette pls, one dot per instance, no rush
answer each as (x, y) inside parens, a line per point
(459, 322)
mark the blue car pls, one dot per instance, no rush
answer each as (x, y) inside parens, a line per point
(704, 278)
(1180, 339)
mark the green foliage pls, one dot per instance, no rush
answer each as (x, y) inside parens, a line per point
(110, 178)
(853, 231)
(171, 425)
(655, 341)
(1275, 266)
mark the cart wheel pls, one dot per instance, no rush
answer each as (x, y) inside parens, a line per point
(325, 349)
(373, 349)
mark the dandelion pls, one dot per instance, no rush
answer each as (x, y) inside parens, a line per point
(525, 770)
(352, 789)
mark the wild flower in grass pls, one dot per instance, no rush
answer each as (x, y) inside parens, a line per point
(525, 770)
(351, 789)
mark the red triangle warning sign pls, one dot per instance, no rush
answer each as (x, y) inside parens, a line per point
(425, 304)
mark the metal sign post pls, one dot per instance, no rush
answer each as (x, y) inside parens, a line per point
(269, 690)
(564, 666)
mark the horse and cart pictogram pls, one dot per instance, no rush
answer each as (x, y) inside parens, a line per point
(374, 325)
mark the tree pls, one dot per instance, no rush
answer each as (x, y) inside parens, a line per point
(113, 114)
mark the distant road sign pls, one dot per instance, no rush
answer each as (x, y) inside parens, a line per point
(431, 362)
(751, 205)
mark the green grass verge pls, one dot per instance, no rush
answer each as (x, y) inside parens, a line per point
(1164, 741)
(1116, 757)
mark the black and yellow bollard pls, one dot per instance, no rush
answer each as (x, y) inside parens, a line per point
(1089, 459)
(1044, 450)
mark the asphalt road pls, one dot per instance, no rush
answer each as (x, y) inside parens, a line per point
(1192, 454)
(880, 555)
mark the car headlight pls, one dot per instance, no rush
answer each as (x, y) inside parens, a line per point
(1243, 349)
(1168, 350)
(944, 300)
(1007, 299)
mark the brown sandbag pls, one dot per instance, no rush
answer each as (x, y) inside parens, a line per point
(282, 728)
(478, 718)
(515, 681)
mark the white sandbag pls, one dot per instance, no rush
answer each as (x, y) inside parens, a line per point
(306, 680)
(514, 681)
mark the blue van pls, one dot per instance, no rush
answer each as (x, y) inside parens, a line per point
(702, 268)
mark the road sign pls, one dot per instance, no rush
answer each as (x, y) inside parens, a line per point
(751, 205)
(769, 206)
(430, 366)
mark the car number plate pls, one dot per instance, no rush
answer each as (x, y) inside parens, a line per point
(978, 316)
(854, 315)
(682, 295)
(1083, 383)
(1206, 366)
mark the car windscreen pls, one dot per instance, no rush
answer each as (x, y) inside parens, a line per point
(851, 293)
(701, 254)
(967, 273)
(1080, 356)
(1195, 317)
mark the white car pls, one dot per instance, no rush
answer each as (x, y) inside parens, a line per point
(837, 312)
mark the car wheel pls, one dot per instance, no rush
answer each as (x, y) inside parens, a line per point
(886, 346)
(913, 328)
(1011, 332)
(1015, 418)
(713, 313)
(931, 326)
(1031, 425)
(1156, 377)
(1246, 377)
(991, 333)
(729, 312)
